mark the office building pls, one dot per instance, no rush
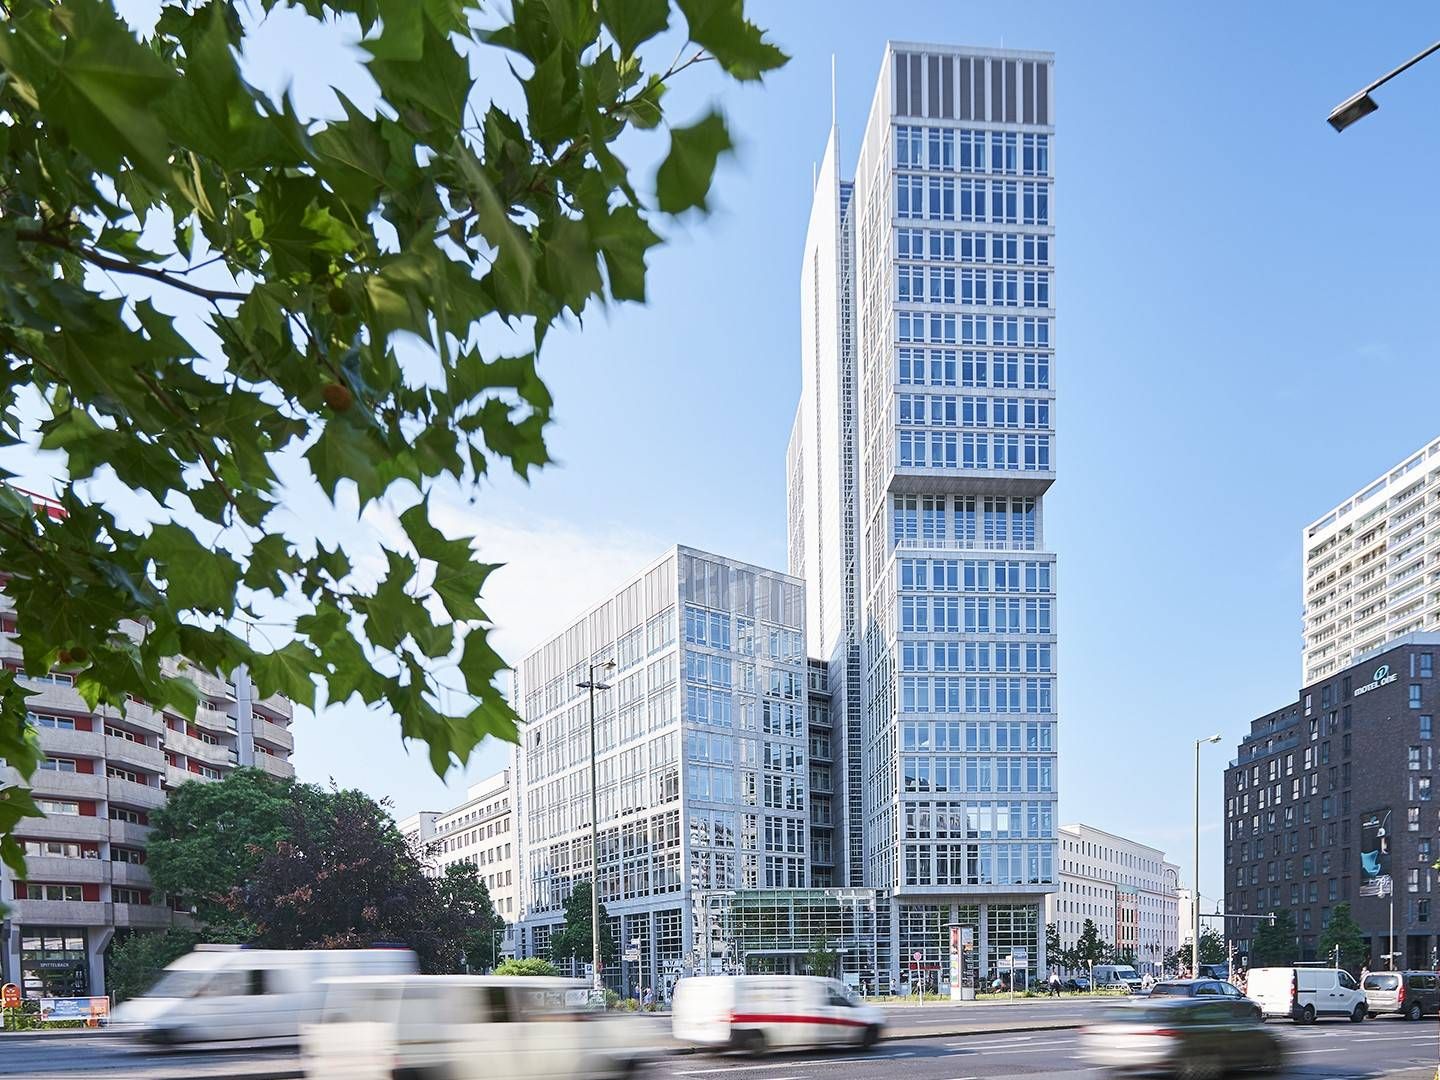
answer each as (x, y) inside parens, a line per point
(919, 458)
(1331, 800)
(1370, 567)
(106, 770)
(702, 729)
(480, 831)
(1126, 888)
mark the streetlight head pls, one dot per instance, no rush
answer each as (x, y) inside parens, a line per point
(1213, 738)
(610, 666)
(1351, 109)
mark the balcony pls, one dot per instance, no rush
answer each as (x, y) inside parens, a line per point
(277, 705)
(127, 833)
(273, 734)
(59, 913)
(53, 697)
(922, 544)
(275, 766)
(139, 796)
(65, 871)
(46, 783)
(131, 875)
(175, 777)
(126, 751)
(143, 716)
(56, 742)
(71, 827)
(141, 915)
(215, 720)
(210, 753)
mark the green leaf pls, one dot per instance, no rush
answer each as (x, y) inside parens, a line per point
(402, 34)
(459, 578)
(633, 22)
(683, 180)
(197, 577)
(289, 670)
(738, 44)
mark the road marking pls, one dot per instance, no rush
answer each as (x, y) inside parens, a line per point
(1396, 1038)
(749, 1068)
(1327, 1050)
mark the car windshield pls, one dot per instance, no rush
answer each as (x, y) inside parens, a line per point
(180, 983)
(1382, 982)
(1170, 990)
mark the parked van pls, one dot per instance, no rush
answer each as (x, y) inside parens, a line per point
(470, 1027)
(222, 993)
(1410, 994)
(1306, 993)
(772, 1012)
(1117, 976)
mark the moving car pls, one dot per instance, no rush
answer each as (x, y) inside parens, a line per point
(1410, 994)
(468, 1027)
(1078, 983)
(1215, 971)
(222, 993)
(1193, 1036)
(1207, 988)
(772, 1012)
(1306, 993)
(1117, 976)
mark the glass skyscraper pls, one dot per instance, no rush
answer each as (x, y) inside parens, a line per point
(921, 453)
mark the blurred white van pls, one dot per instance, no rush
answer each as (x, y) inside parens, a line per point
(225, 993)
(772, 1012)
(1306, 993)
(469, 1027)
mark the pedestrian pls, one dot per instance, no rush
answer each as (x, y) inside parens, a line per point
(1054, 983)
(649, 997)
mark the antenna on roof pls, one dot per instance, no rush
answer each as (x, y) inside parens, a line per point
(832, 89)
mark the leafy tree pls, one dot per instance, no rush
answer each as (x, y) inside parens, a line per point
(222, 304)
(1344, 933)
(530, 965)
(465, 898)
(573, 940)
(1123, 956)
(822, 959)
(209, 837)
(135, 961)
(1273, 944)
(1054, 951)
(1089, 947)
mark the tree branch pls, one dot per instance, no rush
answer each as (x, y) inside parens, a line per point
(120, 266)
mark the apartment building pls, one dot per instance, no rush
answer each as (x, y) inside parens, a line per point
(105, 772)
(1372, 566)
(480, 831)
(703, 733)
(921, 452)
(1331, 799)
(1126, 888)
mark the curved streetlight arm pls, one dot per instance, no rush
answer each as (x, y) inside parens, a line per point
(1361, 104)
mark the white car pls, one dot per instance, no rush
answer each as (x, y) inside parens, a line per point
(1305, 994)
(469, 1027)
(227, 993)
(759, 1013)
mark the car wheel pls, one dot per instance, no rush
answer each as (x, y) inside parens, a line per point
(754, 1043)
(1414, 1012)
(1200, 1068)
(1307, 1014)
(871, 1037)
(1358, 1015)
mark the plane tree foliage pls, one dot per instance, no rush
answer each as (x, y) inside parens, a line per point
(204, 290)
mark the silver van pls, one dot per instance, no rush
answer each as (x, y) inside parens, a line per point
(1411, 994)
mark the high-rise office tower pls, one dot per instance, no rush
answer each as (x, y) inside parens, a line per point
(918, 463)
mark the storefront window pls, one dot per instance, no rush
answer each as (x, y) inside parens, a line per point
(53, 963)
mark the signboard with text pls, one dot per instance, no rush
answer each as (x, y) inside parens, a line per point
(95, 1011)
(10, 996)
(1374, 850)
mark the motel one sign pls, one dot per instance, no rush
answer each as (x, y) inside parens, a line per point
(1383, 677)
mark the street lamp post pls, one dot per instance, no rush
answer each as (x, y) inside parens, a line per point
(591, 685)
(1195, 900)
(1360, 105)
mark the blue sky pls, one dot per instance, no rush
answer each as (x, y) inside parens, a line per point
(1246, 334)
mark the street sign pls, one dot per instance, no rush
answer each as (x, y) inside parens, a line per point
(10, 996)
(918, 955)
(632, 956)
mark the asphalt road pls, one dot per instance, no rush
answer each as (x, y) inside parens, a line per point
(1397, 1051)
(1379, 1048)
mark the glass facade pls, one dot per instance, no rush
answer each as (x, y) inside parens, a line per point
(54, 962)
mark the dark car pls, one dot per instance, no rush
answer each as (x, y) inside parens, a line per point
(1410, 994)
(1206, 988)
(1079, 983)
(1197, 1035)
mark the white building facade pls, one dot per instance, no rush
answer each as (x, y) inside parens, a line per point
(702, 759)
(1126, 888)
(922, 449)
(1372, 566)
(481, 831)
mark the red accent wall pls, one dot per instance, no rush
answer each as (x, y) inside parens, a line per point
(85, 765)
(90, 892)
(87, 809)
(84, 723)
